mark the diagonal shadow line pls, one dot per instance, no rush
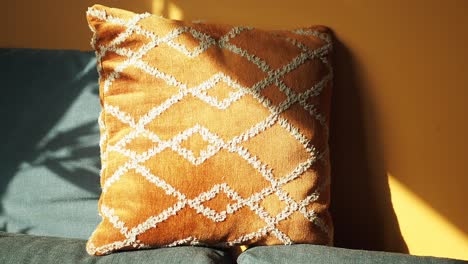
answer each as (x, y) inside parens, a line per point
(81, 176)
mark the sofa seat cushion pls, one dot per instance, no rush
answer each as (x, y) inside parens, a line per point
(17, 248)
(330, 255)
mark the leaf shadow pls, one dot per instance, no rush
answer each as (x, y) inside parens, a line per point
(33, 106)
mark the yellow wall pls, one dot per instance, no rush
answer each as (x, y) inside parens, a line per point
(399, 115)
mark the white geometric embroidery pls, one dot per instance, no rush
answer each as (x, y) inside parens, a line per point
(192, 241)
(206, 42)
(215, 143)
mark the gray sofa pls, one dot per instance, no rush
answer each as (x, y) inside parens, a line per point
(49, 183)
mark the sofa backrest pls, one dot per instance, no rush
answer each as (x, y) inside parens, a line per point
(49, 173)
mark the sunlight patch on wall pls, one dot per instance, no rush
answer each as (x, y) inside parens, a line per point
(167, 9)
(425, 231)
(158, 7)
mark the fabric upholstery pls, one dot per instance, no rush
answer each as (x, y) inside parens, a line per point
(49, 173)
(210, 134)
(27, 249)
(52, 98)
(317, 254)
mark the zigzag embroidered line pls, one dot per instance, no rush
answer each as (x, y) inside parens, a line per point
(189, 241)
(253, 200)
(311, 215)
(260, 211)
(242, 239)
(174, 143)
(161, 108)
(313, 91)
(102, 127)
(147, 118)
(314, 218)
(193, 203)
(128, 62)
(282, 236)
(134, 57)
(216, 144)
(132, 24)
(223, 41)
(179, 96)
(184, 135)
(154, 220)
(101, 15)
(231, 146)
(127, 139)
(296, 134)
(316, 89)
(200, 91)
(254, 130)
(116, 176)
(170, 190)
(302, 98)
(301, 168)
(261, 64)
(252, 203)
(102, 143)
(254, 162)
(133, 163)
(282, 216)
(250, 57)
(122, 116)
(105, 249)
(232, 34)
(206, 42)
(139, 30)
(289, 93)
(206, 196)
(323, 36)
(291, 205)
(273, 76)
(130, 27)
(120, 38)
(197, 91)
(114, 220)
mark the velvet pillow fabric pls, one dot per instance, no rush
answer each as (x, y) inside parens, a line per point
(210, 134)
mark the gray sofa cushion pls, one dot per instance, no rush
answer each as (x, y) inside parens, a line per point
(49, 178)
(28, 249)
(329, 255)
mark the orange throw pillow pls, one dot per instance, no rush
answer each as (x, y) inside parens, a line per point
(210, 134)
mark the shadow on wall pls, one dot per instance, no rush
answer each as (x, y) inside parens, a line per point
(361, 204)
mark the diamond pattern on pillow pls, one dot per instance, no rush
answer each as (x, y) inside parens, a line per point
(204, 131)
